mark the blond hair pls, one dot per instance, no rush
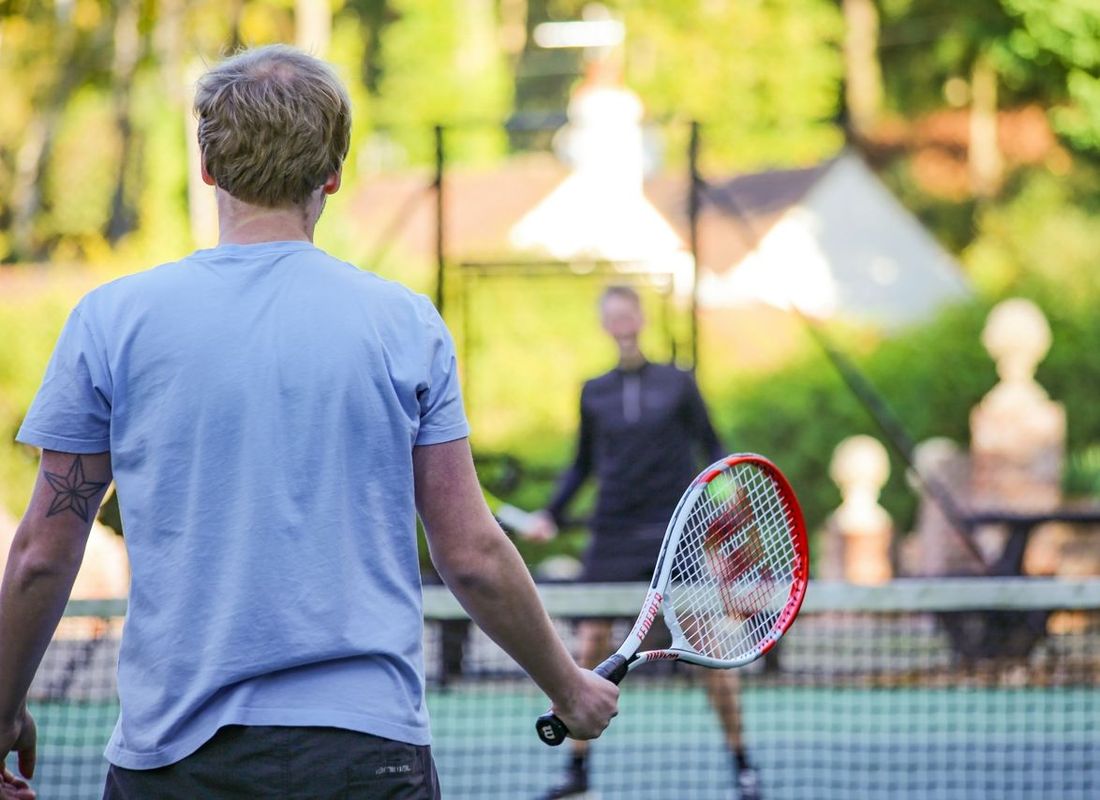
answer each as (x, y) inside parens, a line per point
(274, 124)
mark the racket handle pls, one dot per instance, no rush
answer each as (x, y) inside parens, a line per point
(613, 669)
(551, 729)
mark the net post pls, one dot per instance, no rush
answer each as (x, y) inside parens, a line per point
(694, 196)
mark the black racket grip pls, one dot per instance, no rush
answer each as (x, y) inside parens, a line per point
(613, 669)
(552, 730)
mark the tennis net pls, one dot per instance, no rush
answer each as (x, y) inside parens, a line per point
(937, 690)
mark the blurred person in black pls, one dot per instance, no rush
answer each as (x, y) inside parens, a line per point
(643, 432)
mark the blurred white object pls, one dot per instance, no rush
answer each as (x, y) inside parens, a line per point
(515, 519)
(105, 572)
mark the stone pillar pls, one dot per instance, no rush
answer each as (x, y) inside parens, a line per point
(860, 530)
(937, 548)
(1017, 433)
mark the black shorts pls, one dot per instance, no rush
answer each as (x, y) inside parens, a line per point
(288, 763)
(622, 554)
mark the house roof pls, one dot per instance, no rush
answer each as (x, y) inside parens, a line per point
(735, 213)
(763, 196)
(481, 205)
(484, 205)
(845, 246)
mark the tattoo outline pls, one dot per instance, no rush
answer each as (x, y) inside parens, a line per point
(73, 491)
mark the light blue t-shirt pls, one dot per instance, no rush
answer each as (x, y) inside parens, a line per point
(261, 404)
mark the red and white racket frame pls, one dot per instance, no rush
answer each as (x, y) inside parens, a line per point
(551, 729)
(680, 649)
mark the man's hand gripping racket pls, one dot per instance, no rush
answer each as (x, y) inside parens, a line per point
(729, 579)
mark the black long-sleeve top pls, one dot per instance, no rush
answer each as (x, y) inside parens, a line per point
(641, 433)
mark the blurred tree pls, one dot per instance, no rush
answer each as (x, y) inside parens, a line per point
(1063, 37)
(765, 76)
(442, 64)
(55, 49)
(941, 41)
(544, 77)
(862, 71)
(313, 25)
(992, 54)
(374, 17)
(129, 47)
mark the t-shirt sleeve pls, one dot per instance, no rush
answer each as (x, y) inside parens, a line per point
(72, 411)
(442, 417)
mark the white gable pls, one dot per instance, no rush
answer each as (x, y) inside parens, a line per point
(600, 211)
(847, 249)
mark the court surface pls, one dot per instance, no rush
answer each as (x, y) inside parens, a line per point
(915, 744)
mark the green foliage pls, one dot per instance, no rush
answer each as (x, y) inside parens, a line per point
(937, 40)
(1042, 238)
(1082, 475)
(163, 231)
(441, 65)
(765, 76)
(1064, 35)
(79, 207)
(1044, 51)
(929, 378)
(30, 321)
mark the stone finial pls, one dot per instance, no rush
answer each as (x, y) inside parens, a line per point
(860, 462)
(1017, 337)
(860, 467)
(1017, 433)
(936, 456)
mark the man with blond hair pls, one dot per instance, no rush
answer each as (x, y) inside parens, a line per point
(272, 418)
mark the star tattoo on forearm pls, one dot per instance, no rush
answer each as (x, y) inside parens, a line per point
(73, 491)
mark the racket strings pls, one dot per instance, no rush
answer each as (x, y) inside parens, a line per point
(734, 565)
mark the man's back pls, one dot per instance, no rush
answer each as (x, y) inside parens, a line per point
(263, 403)
(274, 420)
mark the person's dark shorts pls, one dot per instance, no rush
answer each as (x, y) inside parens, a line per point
(286, 763)
(626, 554)
(622, 554)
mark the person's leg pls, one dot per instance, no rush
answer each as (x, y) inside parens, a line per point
(724, 692)
(614, 555)
(594, 637)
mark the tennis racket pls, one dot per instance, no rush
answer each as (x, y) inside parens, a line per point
(729, 579)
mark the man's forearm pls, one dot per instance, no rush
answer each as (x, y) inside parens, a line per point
(32, 600)
(485, 572)
(501, 598)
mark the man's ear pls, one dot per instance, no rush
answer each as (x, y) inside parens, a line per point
(332, 183)
(207, 178)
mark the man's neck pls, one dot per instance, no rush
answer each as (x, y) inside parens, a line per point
(631, 362)
(245, 223)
